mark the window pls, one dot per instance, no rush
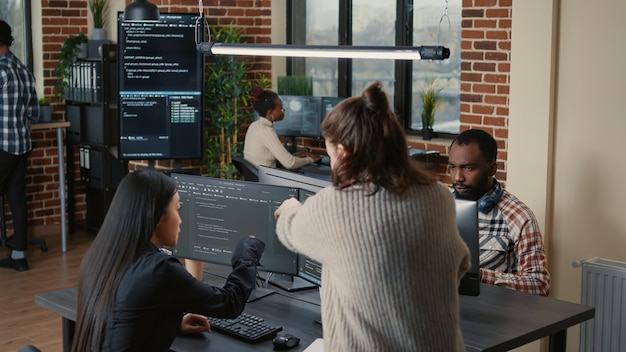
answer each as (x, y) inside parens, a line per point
(17, 14)
(384, 23)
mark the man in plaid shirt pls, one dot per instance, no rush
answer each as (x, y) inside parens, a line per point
(511, 246)
(18, 108)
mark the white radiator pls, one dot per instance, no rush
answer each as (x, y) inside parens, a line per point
(604, 288)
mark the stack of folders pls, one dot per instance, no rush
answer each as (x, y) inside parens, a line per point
(85, 82)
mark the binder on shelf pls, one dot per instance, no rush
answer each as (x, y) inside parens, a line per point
(85, 167)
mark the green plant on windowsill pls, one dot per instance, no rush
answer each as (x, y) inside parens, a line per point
(431, 99)
(67, 57)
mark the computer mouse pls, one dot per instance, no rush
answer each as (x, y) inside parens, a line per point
(285, 341)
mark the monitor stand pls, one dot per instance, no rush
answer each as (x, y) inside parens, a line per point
(258, 293)
(290, 283)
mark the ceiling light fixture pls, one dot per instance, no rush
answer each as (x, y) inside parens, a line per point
(329, 51)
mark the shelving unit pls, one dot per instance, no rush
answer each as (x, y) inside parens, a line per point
(92, 108)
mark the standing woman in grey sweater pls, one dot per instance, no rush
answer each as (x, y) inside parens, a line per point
(385, 234)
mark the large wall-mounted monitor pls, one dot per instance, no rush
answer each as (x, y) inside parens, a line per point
(161, 80)
(217, 213)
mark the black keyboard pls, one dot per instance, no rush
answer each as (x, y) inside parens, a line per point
(246, 327)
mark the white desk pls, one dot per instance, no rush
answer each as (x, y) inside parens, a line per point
(59, 126)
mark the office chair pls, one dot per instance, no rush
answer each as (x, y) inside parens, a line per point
(249, 171)
(6, 242)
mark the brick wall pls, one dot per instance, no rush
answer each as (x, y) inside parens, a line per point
(62, 18)
(486, 43)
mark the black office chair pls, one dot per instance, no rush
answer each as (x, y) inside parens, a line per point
(249, 171)
(6, 242)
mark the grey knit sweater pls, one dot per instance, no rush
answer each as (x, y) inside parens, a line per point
(391, 266)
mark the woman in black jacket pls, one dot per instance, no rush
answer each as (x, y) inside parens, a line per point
(132, 295)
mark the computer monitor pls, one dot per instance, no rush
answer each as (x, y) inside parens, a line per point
(217, 213)
(467, 223)
(308, 269)
(282, 177)
(303, 115)
(161, 88)
(329, 103)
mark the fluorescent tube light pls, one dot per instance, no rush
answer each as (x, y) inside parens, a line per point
(329, 51)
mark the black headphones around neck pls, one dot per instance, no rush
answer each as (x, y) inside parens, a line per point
(487, 202)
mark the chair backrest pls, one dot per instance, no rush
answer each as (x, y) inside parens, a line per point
(249, 171)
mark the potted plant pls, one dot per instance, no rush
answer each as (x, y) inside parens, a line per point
(98, 10)
(295, 85)
(431, 99)
(73, 47)
(226, 97)
(45, 110)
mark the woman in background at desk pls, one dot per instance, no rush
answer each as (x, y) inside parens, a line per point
(385, 234)
(132, 295)
(262, 145)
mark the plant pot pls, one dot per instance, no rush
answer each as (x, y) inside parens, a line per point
(82, 51)
(97, 34)
(45, 113)
(427, 134)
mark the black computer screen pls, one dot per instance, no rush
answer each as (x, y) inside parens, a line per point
(308, 268)
(161, 80)
(303, 115)
(217, 213)
(467, 223)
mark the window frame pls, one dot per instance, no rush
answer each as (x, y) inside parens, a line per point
(403, 69)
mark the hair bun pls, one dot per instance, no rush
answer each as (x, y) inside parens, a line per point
(255, 93)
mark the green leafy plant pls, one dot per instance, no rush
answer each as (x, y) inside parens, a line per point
(44, 101)
(295, 85)
(227, 102)
(431, 100)
(98, 10)
(67, 58)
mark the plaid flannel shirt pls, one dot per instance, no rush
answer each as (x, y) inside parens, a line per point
(511, 248)
(18, 105)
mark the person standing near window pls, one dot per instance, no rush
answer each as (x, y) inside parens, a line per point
(262, 145)
(18, 108)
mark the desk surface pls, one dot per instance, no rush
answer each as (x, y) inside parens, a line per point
(49, 125)
(497, 320)
(501, 319)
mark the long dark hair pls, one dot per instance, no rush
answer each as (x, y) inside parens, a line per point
(139, 202)
(375, 142)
